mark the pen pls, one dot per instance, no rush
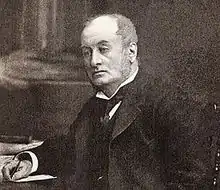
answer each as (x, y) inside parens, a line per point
(15, 139)
(15, 169)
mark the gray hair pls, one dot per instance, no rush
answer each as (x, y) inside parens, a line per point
(126, 28)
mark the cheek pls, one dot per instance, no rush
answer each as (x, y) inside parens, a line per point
(118, 63)
(116, 70)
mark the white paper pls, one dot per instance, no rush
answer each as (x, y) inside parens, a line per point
(14, 148)
(35, 178)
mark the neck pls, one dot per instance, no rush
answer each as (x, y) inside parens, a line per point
(110, 89)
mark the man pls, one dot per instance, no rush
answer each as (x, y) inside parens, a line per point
(135, 133)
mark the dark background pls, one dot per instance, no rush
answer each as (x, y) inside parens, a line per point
(43, 85)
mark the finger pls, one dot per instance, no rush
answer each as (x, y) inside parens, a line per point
(8, 168)
(6, 173)
(23, 170)
(18, 175)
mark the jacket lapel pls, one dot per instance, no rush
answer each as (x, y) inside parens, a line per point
(130, 107)
(126, 115)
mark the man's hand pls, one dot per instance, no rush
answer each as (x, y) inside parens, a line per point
(16, 169)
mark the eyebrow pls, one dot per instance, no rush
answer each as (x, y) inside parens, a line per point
(99, 43)
(103, 42)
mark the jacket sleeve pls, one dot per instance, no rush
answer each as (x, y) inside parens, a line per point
(57, 155)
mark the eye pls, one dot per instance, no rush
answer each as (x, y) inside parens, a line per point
(86, 52)
(103, 49)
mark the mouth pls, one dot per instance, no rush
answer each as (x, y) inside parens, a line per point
(98, 72)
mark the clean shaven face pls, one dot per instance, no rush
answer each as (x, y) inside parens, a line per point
(105, 58)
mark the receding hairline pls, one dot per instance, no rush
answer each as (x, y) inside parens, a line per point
(89, 20)
(89, 23)
(117, 18)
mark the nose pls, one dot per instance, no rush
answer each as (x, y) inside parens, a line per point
(96, 59)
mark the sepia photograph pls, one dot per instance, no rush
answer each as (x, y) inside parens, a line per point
(109, 94)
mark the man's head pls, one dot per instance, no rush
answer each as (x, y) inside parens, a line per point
(109, 46)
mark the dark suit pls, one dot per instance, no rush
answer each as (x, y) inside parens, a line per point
(159, 141)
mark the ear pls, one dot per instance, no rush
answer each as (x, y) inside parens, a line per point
(132, 48)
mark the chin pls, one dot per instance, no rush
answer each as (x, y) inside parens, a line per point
(100, 82)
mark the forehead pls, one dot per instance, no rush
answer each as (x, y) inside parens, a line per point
(101, 29)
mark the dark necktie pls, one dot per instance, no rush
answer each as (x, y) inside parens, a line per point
(110, 104)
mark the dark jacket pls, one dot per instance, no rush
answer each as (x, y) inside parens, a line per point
(161, 140)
